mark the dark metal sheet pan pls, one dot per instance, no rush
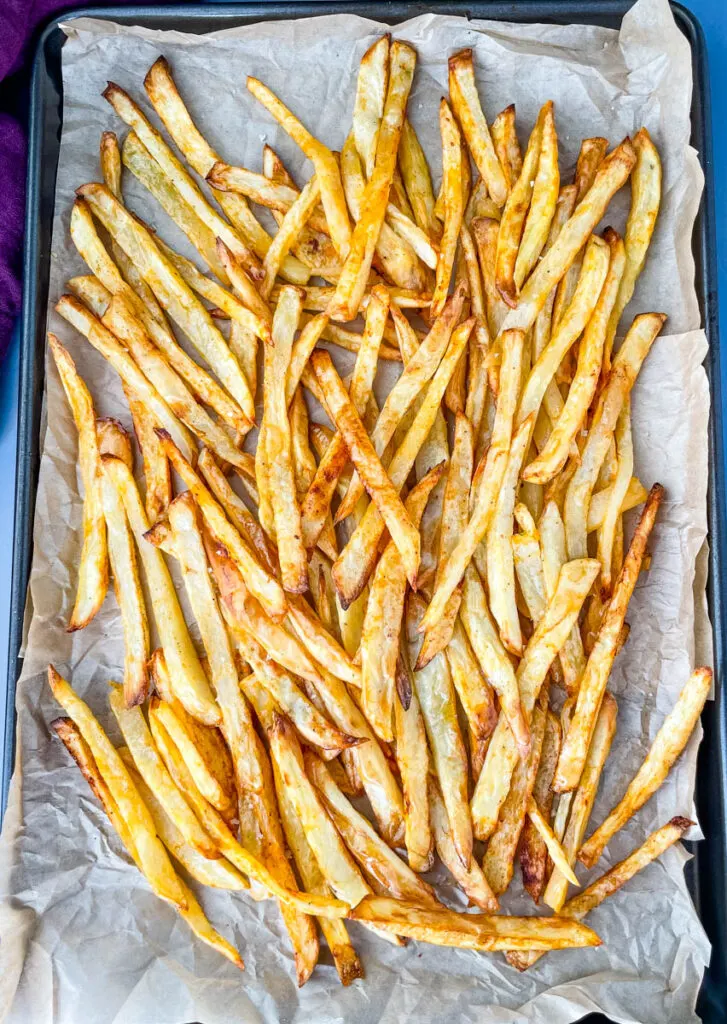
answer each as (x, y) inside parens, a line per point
(707, 872)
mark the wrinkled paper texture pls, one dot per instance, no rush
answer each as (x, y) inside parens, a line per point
(83, 938)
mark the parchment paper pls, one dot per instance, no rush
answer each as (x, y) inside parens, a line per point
(83, 938)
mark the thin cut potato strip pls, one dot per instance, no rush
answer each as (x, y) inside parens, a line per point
(417, 180)
(468, 111)
(454, 203)
(533, 851)
(472, 881)
(667, 746)
(507, 146)
(542, 203)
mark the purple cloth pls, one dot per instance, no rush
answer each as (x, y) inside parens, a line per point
(20, 22)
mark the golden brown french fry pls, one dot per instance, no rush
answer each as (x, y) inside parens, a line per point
(472, 931)
(152, 855)
(435, 693)
(552, 458)
(645, 201)
(591, 897)
(612, 519)
(355, 272)
(110, 160)
(157, 474)
(515, 212)
(542, 203)
(580, 802)
(668, 744)
(533, 851)
(472, 881)
(454, 204)
(375, 858)
(486, 490)
(368, 106)
(412, 755)
(626, 366)
(383, 491)
(380, 634)
(237, 511)
(507, 146)
(554, 556)
(485, 231)
(466, 104)
(93, 571)
(171, 291)
(555, 850)
(574, 583)
(611, 175)
(475, 693)
(288, 232)
(601, 658)
(417, 180)
(499, 859)
(324, 648)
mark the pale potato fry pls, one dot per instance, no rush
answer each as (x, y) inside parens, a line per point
(110, 160)
(188, 677)
(593, 684)
(93, 570)
(237, 511)
(612, 519)
(500, 562)
(379, 649)
(611, 175)
(267, 191)
(454, 204)
(591, 897)
(157, 473)
(471, 880)
(151, 767)
(533, 851)
(487, 488)
(417, 180)
(454, 514)
(515, 212)
(626, 366)
(554, 556)
(580, 802)
(419, 369)
(668, 744)
(377, 860)
(327, 170)
(288, 232)
(414, 235)
(435, 693)
(383, 491)
(369, 103)
(412, 756)
(355, 272)
(466, 105)
(356, 562)
(555, 850)
(542, 203)
(261, 583)
(472, 931)
(553, 456)
(485, 231)
(153, 858)
(507, 146)
(475, 693)
(499, 860)
(574, 583)
(645, 201)
(324, 648)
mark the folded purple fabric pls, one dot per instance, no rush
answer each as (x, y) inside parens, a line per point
(20, 21)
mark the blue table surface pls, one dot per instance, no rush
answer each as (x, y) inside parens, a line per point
(713, 16)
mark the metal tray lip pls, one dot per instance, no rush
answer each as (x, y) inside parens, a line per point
(713, 997)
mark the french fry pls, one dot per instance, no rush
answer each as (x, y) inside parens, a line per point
(380, 634)
(542, 203)
(368, 106)
(645, 201)
(110, 160)
(612, 519)
(454, 203)
(327, 170)
(552, 458)
(472, 931)
(467, 109)
(153, 858)
(591, 897)
(188, 678)
(580, 802)
(236, 509)
(157, 474)
(475, 693)
(471, 880)
(626, 366)
(380, 486)
(288, 232)
(324, 648)
(574, 583)
(93, 572)
(668, 744)
(554, 556)
(485, 231)
(593, 684)
(435, 694)
(151, 767)
(499, 859)
(261, 583)
(533, 850)
(507, 146)
(412, 755)
(417, 180)
(170, 107)
(487, 488)
(555, 850)
(385, 869)
(171, 291)
(355, 272)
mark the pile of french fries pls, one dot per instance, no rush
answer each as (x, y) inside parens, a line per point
(418, 605)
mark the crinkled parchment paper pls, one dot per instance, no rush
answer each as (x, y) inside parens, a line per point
(83, 939)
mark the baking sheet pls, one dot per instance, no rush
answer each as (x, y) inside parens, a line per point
(82, 938)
